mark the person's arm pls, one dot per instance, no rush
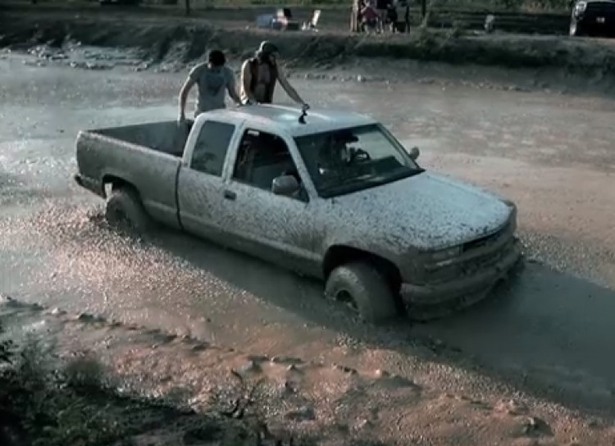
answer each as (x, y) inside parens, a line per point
(183, 97)
(246, 80)
(231, 86)
(290, 91)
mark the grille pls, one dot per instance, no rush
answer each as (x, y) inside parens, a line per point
(489, 258)
(500, 241)
(479, 243)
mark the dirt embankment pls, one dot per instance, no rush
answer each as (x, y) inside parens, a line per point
(333, 16)
(183, 40)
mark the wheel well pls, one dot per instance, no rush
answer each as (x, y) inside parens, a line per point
(339, 255)
(115, 183)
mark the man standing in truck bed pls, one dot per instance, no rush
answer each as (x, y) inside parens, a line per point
(260, 74)
(213, 80)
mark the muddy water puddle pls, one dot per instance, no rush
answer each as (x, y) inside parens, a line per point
(68, 258)
(550, 326)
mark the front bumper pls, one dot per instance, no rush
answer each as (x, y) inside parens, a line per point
(466, 290)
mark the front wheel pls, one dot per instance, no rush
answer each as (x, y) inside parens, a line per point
(365, 289)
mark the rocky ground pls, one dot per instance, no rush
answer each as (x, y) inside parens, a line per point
(530, 366)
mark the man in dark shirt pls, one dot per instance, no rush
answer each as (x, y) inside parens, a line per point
(260, 74)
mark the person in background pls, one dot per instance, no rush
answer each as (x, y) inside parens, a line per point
(354, 16)
(406, 5)
(382, 7)
(260, 74)
(213, 80)
(370, 18)
(392, 17)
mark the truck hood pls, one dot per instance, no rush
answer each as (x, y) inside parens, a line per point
(424, 211)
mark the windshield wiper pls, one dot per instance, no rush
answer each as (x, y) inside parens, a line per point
(354, 186)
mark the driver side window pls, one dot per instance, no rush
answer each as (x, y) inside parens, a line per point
(261, 158)
(211, 147)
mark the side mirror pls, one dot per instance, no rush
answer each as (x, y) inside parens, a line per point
(414, 153)
(284, 185)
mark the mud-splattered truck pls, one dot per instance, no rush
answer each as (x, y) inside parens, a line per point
(329, 194)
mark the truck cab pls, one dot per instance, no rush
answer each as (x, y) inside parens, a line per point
(247, 169)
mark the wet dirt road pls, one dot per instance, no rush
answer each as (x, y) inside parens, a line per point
(551, 329)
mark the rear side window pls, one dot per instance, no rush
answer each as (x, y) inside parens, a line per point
(211, 147)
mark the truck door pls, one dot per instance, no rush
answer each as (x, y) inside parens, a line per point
(200, 191)
(277, 228)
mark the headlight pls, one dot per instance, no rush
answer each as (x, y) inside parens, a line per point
(513, 213)
(580, 7)
(446, 254)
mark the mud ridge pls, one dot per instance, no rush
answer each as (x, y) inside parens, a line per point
(277, 397)
(286, 399)
(183, 42)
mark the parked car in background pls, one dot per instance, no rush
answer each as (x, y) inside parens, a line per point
(593, 18)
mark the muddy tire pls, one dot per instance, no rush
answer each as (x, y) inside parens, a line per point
(365, 290)
(125, 211)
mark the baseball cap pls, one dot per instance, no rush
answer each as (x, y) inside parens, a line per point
(266, 47)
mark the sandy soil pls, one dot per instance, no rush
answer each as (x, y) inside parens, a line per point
(542, 342)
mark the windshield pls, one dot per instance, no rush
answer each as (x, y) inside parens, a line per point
(347, 160)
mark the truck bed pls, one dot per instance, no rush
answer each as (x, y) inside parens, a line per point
(146, 156)
(166, 136)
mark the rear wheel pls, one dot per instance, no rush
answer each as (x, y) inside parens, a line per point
(365, 290)
(125, 211)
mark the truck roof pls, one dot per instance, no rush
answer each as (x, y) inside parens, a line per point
(286, 118)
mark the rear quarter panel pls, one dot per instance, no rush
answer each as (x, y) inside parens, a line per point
(153, 174)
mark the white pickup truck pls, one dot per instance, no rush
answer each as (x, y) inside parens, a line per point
(329, 194)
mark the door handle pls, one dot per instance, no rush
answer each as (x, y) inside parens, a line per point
(230, 195)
